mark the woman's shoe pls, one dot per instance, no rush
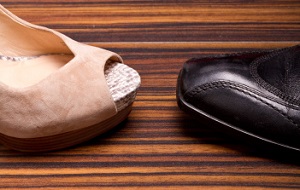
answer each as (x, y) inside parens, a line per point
(257, 94)
(56, 92)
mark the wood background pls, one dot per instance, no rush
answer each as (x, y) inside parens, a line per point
(160, 147)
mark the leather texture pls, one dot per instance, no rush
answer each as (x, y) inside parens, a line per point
(254, 92)
(73, 97)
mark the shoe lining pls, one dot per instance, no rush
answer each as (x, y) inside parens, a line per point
(23, 71)
(20, 72)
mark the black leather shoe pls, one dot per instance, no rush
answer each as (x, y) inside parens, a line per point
(256, 93)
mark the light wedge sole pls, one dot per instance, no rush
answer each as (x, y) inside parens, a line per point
(63, 140)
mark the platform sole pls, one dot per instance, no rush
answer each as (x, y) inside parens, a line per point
(64, 140)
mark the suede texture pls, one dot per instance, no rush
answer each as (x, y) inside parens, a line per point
(73, 97)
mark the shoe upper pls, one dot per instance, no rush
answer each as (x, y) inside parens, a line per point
(257, 92)
(73, 97)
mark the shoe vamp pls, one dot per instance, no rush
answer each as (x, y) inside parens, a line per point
(280, 73)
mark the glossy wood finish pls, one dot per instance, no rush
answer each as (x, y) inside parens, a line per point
(160, 147)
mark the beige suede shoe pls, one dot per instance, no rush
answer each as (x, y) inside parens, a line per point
(56, 92)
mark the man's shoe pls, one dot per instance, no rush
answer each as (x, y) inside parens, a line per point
(256, 93)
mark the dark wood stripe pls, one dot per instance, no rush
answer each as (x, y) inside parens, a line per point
(152, 174)
(133, 164)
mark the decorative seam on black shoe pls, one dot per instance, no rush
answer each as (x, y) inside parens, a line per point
(257, 92)
(241, 88)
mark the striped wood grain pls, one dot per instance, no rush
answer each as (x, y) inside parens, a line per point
(159, 147)
(109, 21)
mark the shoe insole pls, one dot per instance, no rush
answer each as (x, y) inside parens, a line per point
(29, 71)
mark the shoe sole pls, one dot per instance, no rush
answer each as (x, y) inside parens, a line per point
(60, 141)
(230, 129)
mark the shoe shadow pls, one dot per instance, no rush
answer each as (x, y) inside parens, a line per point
(211, 133)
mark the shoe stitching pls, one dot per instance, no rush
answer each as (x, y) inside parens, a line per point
(225, 84)
(286, 104)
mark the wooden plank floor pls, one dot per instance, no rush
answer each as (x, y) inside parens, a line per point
(159, 147)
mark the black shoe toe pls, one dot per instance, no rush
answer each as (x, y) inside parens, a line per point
(256, 93)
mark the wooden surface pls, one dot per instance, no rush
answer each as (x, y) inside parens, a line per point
(159, 146)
